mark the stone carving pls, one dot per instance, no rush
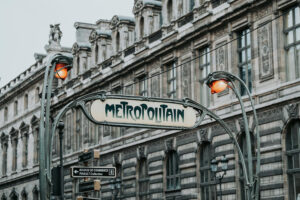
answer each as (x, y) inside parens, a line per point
(169, 145)
(186, 78)
(138, 6)
(202, 136)
(221, 57)
(75, 48)
(263, 11)
(220, 32)
(93, 36)
(117, 159)
(141, 152)
(265, 52)
(114, 21)
(155, 88)
(242, 125)
(55, 35)
(292, 110)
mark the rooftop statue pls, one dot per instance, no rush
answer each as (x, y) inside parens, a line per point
(55, 34)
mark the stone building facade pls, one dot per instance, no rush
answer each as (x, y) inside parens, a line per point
(166, 50)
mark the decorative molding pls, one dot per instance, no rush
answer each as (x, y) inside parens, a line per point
(266, 69)
(202, 136)
(116, 159)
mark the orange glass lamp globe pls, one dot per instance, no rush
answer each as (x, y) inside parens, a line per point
(218, 86)
(60, 71)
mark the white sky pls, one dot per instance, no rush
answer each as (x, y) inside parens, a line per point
(24, 27)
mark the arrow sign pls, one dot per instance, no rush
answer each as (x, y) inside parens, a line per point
(101, 172)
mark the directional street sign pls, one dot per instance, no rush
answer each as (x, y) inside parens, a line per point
(100, 172)
(87, 156)
(89, 186)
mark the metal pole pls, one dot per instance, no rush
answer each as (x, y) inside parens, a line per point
(220, 183)
(61, 127)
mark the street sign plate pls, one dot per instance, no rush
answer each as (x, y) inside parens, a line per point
(101, 172)
(87, 156)
(89, 186)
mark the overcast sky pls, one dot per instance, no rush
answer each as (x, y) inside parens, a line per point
(24, 27)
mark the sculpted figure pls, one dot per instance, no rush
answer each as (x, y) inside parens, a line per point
(55, 34)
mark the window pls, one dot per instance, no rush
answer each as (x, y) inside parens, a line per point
(216, 3)
(4, 146)
(141, 27)
(204, 68)
(171, 81)
(243, 146)
(244, 59)
(192, 4)
(143, 179)
(170, 10)
(68, 131)
(118, 42)
(25, 150)
(143, 86)
(37, 95)
(78, 129)
(26, 101)
(78, 65)
(292, 43)
(96, 52)
(206, 177)
(5, 113)
(173, 174)
(36, 145)
(293, 154)
(14, 142)
(16, 108)
(35, 193)
(24, 195)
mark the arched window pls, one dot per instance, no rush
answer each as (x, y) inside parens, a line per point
(14, 195)
(206, 177)
(173, 173)
(35, 193)
(170, 10)
(16, 108)
(37, 95)
(118, 42)
(26, 101)
(3, 197)
(143, 179)
(78, 65)
(243, 145)
(293, 161)
(24, 195)
(141, 27)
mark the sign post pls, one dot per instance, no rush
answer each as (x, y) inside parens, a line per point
(96, 172)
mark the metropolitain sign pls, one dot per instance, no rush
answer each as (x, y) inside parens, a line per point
(143, 113)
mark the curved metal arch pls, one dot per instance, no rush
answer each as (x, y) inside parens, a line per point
(80, 102)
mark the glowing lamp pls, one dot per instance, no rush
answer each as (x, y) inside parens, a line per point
(61, 71)
(218, 86)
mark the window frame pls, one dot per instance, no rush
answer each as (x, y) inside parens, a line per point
(172, 172)
(242, 49)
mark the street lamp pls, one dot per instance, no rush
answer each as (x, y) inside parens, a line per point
(219, 81)
(214, 168)
(57, 66)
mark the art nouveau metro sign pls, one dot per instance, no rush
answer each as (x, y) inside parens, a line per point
(143, 113)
